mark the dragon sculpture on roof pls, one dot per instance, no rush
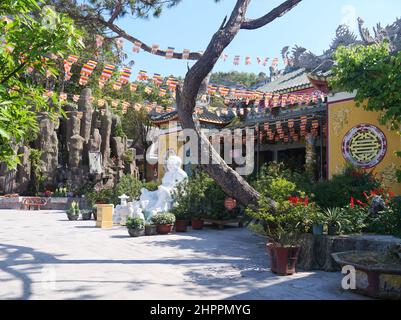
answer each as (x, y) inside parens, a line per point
(300, 57)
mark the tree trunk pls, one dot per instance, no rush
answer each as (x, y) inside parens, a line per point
(230, 181)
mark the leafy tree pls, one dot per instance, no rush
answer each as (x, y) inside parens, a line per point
(137, 126)
(237, 78)
(375, 74)
(29, 37)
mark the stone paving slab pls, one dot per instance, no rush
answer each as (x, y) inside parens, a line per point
(45, 256)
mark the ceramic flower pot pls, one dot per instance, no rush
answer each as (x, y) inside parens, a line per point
(86, 215)
(164, 228)
(332, 230)
(317, 229)
(150, 230)
(181, 225)
(133, 232)
(197, 224)
(72, 217)
(283, 259)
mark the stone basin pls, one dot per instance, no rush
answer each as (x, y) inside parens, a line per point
(378, 274)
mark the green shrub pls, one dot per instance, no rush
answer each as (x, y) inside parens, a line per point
(293, 214)
(355, 219)
(128, 185)
(181, 202)
(388, 221)
(163, 218)
(104, 195)
(151, 185)
(200, 197)
(135, 223)
(338, 191)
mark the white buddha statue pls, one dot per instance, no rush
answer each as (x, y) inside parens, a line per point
(153, 202)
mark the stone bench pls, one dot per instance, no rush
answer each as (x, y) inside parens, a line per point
(316, 250)
(35, 202)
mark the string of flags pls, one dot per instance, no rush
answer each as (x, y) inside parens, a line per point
(170, 52)
(115, 103)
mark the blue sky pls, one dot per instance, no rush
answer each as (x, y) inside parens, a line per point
(191, 24)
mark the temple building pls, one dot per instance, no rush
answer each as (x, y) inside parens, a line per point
(299, 122)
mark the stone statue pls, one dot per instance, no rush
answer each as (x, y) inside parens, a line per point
(377, 205)
(122, 211)
(153, 202)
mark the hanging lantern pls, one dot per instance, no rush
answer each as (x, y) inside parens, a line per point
(230, 203)
(284, 99)
(315, 124)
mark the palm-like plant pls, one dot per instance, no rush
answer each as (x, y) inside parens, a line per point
(333, 217)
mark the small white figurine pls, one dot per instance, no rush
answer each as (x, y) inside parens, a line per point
(122, 211)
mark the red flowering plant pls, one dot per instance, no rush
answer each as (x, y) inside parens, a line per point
(355, 216)
(291, 217)
(358, 212)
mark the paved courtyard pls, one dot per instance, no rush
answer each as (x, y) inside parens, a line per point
(45, 256)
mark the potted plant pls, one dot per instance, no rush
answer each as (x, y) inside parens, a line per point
(197, 223)
(180, 208)
(135, 226)
(283, 227)
(73, 212)
(333, 217)
(317, 219)
(86, 214)
(150, 229)
(164, 222)
(283, 251)
(181, 220)
(94, 210)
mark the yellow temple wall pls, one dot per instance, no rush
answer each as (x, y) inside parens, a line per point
(342, 117)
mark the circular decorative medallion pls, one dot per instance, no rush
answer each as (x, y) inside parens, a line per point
(364, 146)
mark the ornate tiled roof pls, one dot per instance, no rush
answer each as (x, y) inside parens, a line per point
(289, 82)
(311, 111)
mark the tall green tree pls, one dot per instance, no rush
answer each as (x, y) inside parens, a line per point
(30, 35)
(375, 74)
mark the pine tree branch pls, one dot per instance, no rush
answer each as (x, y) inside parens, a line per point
(271, 16)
